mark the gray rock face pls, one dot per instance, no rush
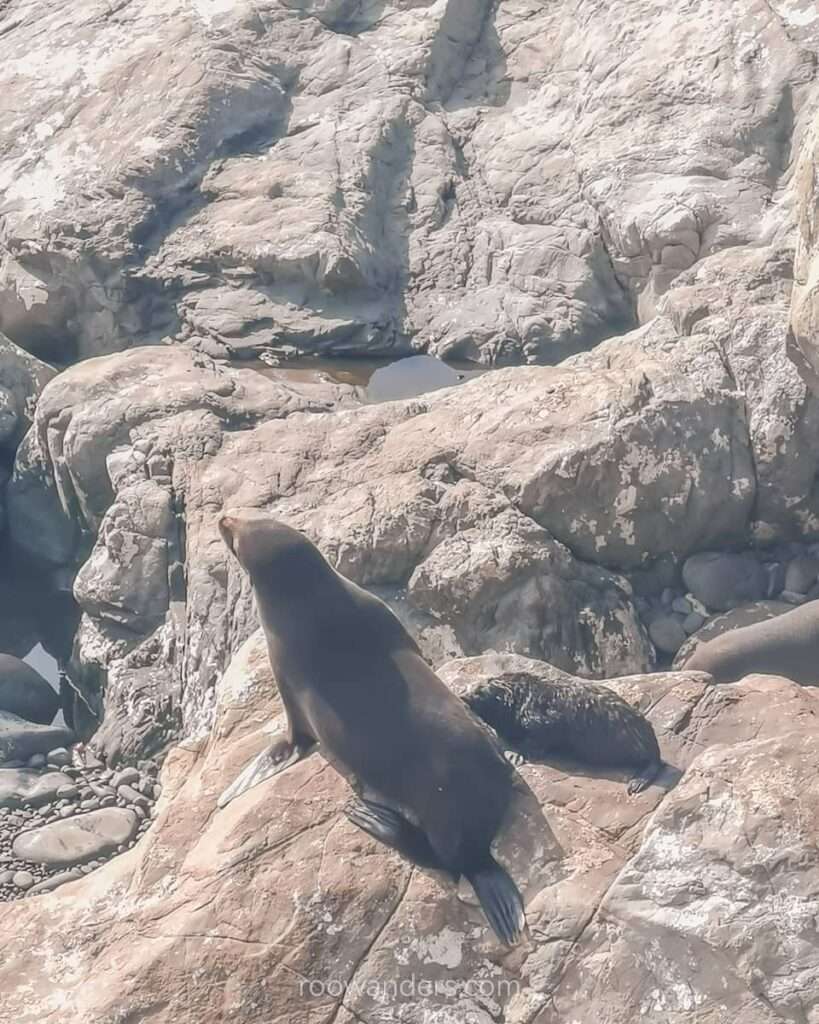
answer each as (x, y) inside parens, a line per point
(451, 194)
(22, 378)
(724, 581)
(80, 839)
(19, 739)
(25, 693)
(20, 786)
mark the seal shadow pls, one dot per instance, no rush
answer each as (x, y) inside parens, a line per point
(666, 779)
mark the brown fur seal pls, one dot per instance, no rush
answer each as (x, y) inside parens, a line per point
(431, 781)
(580, 719)
(787, 645)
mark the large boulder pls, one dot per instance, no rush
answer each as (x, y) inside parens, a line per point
(504, 182)
(25, 693)
(276, 909)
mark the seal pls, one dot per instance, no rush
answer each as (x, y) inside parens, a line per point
(586, 721)
(787, 645)
(431, 781)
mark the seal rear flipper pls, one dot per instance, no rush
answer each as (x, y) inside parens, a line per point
(282, 754)
(646, 776)
(500, 899)
(390, 828)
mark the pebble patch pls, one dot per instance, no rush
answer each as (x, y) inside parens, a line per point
(60, 821)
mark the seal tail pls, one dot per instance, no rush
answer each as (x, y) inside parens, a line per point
(500, 899)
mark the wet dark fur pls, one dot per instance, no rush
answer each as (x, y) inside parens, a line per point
(582, 720)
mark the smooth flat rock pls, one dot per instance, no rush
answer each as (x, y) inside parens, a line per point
(84, 837)
(22, 786)
(55, 882)
(724, 580)
(19, 739)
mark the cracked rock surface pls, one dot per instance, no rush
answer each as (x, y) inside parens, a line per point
(252, 911)
(508, 182)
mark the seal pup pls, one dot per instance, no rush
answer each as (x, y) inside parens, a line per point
(431, 781)
(787, 645)
(580, 719)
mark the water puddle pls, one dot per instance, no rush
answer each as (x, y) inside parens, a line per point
(376, 380)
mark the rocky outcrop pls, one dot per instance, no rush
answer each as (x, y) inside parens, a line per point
(22, 378)
(475, 498)
(504, 511)
(277, 909)
(504, 182)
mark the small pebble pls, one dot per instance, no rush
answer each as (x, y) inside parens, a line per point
(6, 877)
(667, 634)
(681, 605)
(55, 881)
(691, 623)
(667, 597)
(131, 796)
(37, 761)
(59, 757)
(801, 574)
(125, 777)
(23, 879)
(66, 812)
(67, 792)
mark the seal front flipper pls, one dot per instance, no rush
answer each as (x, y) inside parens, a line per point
(645, 777)
(500, 899)
(282, 754)
(391, 829)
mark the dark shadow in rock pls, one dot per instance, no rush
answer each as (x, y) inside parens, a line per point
(479, 80)
(346, 17)
(33, 610)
